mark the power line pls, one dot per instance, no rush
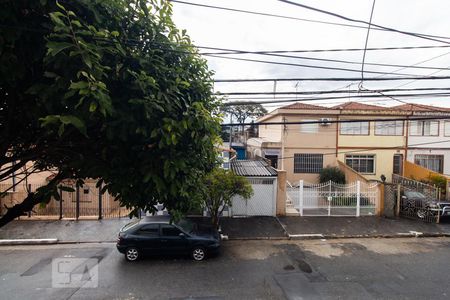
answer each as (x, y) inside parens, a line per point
(300, 65)
(423, 95)
(333, 79)
(229, 51)
(234, 51)
(336, 91)
(412, 118)
(365, 46)
(414, 34)
(378, 27)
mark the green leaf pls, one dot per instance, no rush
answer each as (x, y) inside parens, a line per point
(93, 107)
(74, 121)
(61, 129)
(55, 47)
(67, 189)
(79, 85)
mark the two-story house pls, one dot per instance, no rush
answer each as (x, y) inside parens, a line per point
(372, 140)
(428, 141)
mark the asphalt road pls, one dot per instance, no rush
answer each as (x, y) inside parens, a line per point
(405, 268)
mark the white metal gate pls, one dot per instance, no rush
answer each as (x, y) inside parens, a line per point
(333, 199)
(263, 201)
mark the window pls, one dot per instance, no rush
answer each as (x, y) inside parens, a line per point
(361, 163)
(308, 163)
(424, 128)
(150, 229)
(447, 128)
(309, 128)
(355, 128)
(169, 230)
(397, 164)
(389, 128)
(430, 161)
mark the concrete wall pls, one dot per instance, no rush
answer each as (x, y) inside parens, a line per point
(443, 138)
(384, 161)
(445, 152)
(329, 159)
(272, 132)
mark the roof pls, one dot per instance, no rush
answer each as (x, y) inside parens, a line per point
(252, 168)
(358, 106)
(300, 105)
(420, 107)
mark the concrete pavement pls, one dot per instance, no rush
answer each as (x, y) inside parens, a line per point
(236, 228)
(402, 268)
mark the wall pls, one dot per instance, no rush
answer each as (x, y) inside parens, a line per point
(383, 161)
(445, 152)
(271, 132)
(329, 159)
(443, 139)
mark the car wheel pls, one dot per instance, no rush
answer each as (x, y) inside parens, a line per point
(422, 213)
(132, 254)
(198, 254)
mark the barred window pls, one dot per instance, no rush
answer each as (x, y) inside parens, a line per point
(361, 163)
(430, 161)
(308, 163)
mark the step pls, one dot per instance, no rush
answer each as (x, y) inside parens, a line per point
(291, 211)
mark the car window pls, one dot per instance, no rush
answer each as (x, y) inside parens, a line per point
(169, 230)
(149, 229)
(129, 225)
(186, 225)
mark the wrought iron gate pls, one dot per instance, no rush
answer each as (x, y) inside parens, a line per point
(333, 199)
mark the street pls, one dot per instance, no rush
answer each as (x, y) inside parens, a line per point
(403, 268)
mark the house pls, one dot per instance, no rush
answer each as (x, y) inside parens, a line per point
(372, 140)
(428, 141)
(302, 150)
(372, 148)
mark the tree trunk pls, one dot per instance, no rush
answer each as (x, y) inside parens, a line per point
(215, 219)
(19, 209)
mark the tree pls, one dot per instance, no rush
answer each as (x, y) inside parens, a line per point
(110, 90)
(220, 186)
(332, 173)
(241, 113)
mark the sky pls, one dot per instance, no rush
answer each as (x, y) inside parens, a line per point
(210, 27)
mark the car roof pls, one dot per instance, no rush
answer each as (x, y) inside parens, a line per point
(155, 219)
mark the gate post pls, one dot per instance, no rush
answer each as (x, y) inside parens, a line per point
(100, 216)
(301, 197)
(77, 213)
(60, 203)
(399, 199)
(358, 198)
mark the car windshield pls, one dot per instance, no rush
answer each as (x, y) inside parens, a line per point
(129, 225)
(414, 195)
(186, 225)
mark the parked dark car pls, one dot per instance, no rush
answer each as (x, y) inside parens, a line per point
(157, 236)
(424, 206)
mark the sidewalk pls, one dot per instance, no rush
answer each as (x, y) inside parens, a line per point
(235, 228)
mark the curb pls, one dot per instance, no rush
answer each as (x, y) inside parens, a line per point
(412, 234)
(8, 242)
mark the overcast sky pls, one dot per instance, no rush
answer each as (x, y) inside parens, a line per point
(232, 30)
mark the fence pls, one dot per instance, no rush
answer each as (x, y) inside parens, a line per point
(333, 199)
(412, 199)
(84, 202)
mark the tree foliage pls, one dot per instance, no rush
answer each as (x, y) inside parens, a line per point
(220, 186)
(109, 90)
(332, 173)
(241, 113)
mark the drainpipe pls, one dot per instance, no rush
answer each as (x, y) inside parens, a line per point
(282, 144)
(406, 144)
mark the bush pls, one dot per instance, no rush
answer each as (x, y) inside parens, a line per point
(332, 173)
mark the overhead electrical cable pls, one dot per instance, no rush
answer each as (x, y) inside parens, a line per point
(414, 34)
(365, 46)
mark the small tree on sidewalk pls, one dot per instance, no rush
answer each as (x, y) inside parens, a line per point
(220, 186)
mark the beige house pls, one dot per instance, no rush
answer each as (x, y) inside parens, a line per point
(302, 150)
(371, 141)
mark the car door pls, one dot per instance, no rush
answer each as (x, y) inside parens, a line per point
(148, 238)
(171, 241)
